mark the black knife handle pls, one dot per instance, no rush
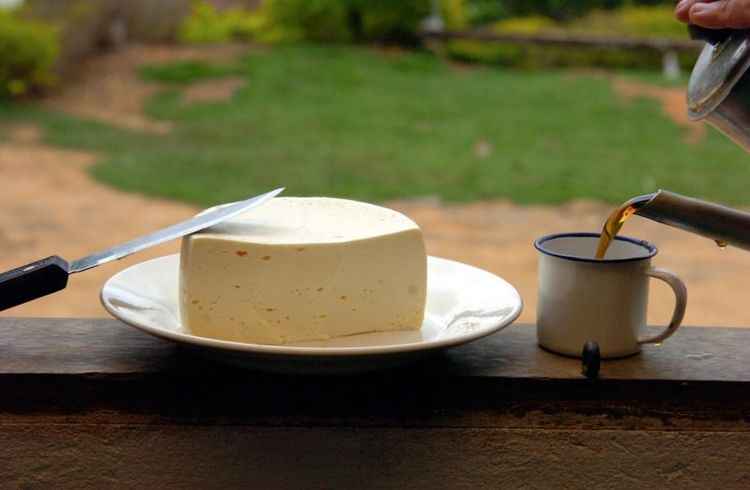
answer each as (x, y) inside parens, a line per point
(32, 281)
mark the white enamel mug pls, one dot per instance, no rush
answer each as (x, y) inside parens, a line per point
(583, 298)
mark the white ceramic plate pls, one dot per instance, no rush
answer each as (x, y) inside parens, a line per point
(463, 304)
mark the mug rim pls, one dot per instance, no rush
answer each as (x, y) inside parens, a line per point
(539, 242)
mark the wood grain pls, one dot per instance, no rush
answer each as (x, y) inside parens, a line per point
(97, 404)
(108, 347)
(76, 369)
(200, 457)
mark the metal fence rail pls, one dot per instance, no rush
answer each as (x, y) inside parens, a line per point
(659, 44)
(669, 48)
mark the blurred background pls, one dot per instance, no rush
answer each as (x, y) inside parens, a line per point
(489, 122)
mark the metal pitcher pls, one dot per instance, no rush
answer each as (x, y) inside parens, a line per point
(719, 88)
(718, 92)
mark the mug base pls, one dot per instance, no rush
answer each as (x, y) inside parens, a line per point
(577, 355)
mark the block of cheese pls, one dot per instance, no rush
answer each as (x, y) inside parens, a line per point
(297, 269)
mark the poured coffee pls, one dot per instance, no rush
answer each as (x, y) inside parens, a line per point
(723, 225)
(618, 218)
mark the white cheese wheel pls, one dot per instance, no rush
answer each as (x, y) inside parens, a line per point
(297, 269)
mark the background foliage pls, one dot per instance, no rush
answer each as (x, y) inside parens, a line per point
(631, 21)
(374, 125)
(28, 50)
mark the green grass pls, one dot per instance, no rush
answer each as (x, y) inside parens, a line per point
(346, 121)
(186, 72)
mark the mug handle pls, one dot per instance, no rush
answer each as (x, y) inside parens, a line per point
(680, 294)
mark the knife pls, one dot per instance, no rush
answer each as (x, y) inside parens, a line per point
(46, 276)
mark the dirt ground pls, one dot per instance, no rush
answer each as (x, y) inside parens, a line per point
(107, 87)
(50, 205)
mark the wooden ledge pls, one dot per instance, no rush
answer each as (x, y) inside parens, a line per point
(97, 404)
(82, 368)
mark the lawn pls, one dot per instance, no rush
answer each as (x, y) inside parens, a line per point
(355, 122)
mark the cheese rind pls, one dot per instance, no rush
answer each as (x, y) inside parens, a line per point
(299, 269)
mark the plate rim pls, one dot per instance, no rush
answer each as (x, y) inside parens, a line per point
(300, 351)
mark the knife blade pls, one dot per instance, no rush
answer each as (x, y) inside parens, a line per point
(46, 276)
(203, 220)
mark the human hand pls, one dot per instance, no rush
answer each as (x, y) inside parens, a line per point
(715, 14)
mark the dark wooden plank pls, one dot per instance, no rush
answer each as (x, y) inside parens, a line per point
(109, 347)
(83, 399)
(692, 354)
(104, 371)
(80, 346)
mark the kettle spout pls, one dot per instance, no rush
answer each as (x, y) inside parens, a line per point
(720, 223)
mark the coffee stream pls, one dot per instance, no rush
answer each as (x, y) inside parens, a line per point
(615, 221)
(698, 212)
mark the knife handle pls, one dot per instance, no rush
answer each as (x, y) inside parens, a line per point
(32, 281)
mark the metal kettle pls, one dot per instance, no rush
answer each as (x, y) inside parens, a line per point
(718, 92)
(719, 87)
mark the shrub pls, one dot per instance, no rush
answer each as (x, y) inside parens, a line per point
(391, 20)
(320, 20)
(644, 21)
(456, 13)
(652, 21)
(557, 9)
(347, 20)
(28, 51)
(314, 20)
(526, 25)
(480, 12)
(205, 24)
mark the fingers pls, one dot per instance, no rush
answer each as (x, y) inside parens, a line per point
(733, 14)
(682, 10)
(712, 15)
